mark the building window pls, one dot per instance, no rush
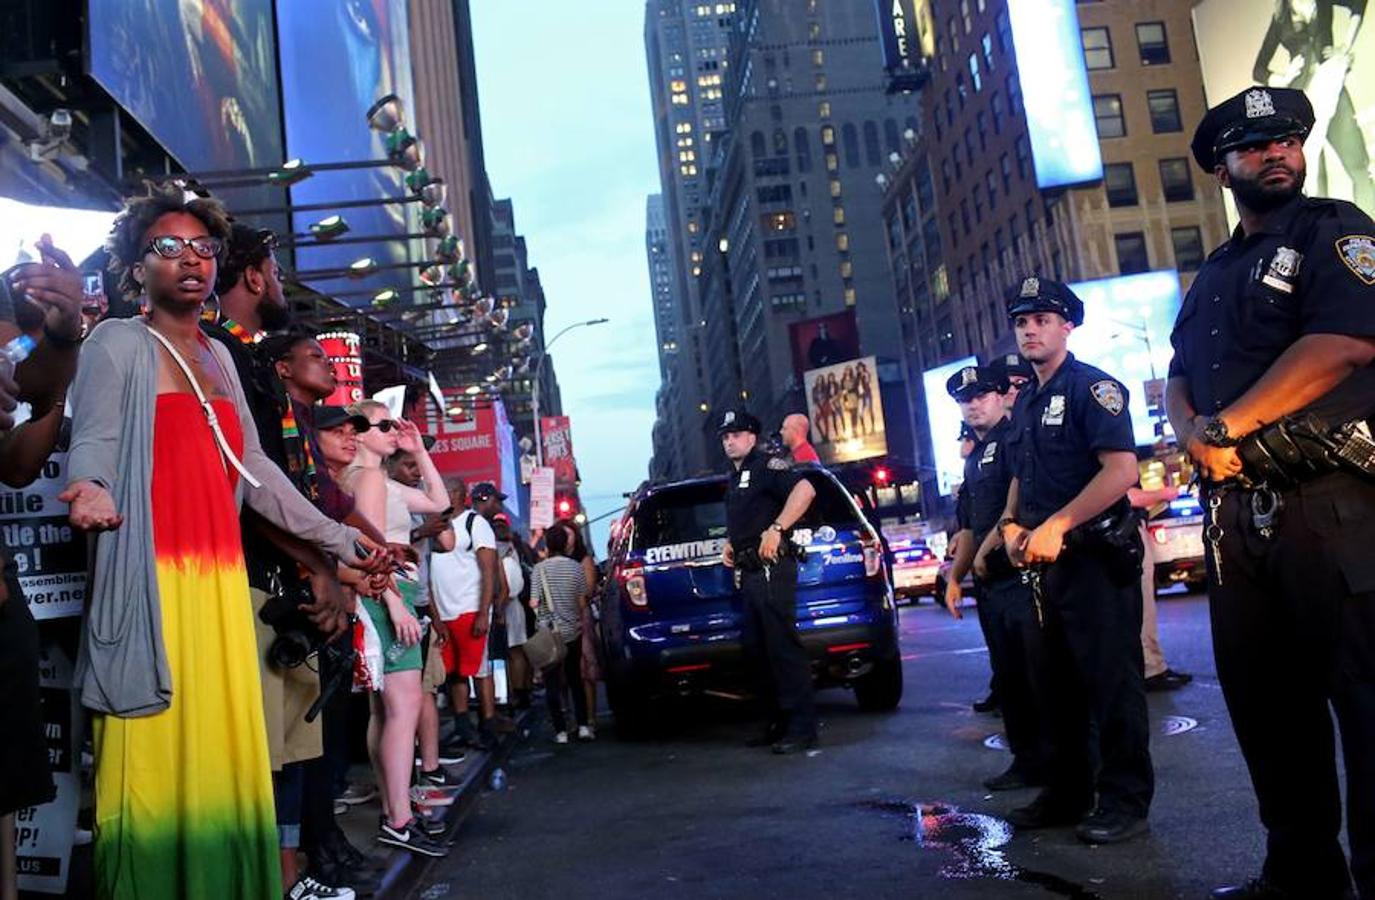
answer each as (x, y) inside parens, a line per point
(871, 149)
(1003, 25)
(839, 215)
(1164, 106)
(849, 296)
(981, 123)
(818, 58)
(945, 176)
(823, 110)
(1107, 112)
(1188, 248)
(843, 242)
(835, 188)
(1097, 48)
(757, 145)
(974, 75)
(1023, 156)
(997, 106)
(1014, 95)
(780, 221)
(850, 138)
(804, 150)
(988, 50)
(1005, 166)
(1131, 253)
(1151, 41)
(1120, 183)
(1175, 180)
(847, 269)
(992, 185)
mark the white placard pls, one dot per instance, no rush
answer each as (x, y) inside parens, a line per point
(542, 497)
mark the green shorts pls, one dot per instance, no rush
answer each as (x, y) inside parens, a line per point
(409, 660)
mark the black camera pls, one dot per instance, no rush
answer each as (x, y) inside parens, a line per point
(296, 636)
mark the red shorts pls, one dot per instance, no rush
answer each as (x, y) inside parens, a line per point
(464, 655)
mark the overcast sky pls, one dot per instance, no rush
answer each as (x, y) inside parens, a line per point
(569, 136)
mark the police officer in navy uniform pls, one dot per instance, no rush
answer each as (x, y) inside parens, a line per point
(1005, 605)
(764, 500)
(1273, 345)
(1068, 522)
(1015, 372)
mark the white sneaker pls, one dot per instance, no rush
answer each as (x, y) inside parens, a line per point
(585, 733)
(561, 737)
(310, 889)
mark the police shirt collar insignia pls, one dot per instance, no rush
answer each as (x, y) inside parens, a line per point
(779, 464)
(1109, 396)
(1031, 287)
(1358, 252)
(1259, 104)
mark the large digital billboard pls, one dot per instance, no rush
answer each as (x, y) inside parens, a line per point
(823, 341)
(1055, 92)
(338, 58)
(846, 411)
(944, 420)
(199, 75)
(1126, 333)
(907, 34)
(1322, 47)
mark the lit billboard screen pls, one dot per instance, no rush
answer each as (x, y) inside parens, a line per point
(1313, 46)
(1126, 333)
(199, 75)
(338, 58)
(943, 417)
(1055, 92)
(846, 411)
(907, 34)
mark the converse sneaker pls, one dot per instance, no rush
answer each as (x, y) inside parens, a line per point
(310, 889)
(561, 737)
(585, 733)
(409, 837)
(426, 796)
(358, 794)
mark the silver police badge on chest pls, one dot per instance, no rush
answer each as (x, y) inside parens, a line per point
(1054, 413)
(990, 452)
(745, 478)
(1284, 268)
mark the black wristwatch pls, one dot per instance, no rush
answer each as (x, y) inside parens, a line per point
(1214, 433)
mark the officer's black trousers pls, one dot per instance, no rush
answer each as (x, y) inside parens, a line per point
(1093, 674)
(773, 650)
(1016, 653)
(1294, 634)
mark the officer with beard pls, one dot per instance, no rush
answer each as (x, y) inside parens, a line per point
(1271, 391)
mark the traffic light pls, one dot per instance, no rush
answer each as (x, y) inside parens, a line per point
(882, 476)
(563, 507)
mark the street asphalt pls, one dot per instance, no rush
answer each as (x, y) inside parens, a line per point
(889, 806)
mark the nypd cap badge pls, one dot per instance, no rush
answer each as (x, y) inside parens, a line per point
(1259, 104)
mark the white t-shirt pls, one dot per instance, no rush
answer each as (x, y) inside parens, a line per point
(455, 579)
(515, 576)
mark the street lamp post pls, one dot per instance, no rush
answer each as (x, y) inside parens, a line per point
(1141, 331)
(539, 369)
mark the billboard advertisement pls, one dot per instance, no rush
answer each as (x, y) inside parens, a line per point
(199, 75)
(338, 58)
(1322, 47)
(943, 417)
(823, 341)
(1126, 333)
(470, 448)
(1055, 92)
(344, 350)
(908, 36)
(846, 411)
(556, 436)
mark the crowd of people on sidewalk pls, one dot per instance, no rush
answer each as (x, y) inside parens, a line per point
(257, 556)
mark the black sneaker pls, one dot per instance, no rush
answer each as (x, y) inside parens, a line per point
(308, 888)
(411, 838)
(451, 755)
(439, 779)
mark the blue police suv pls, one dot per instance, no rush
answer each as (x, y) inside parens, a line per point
(670, 612)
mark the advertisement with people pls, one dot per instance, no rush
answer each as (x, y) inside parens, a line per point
(846, 411)
(1325, 48)
(823, 341)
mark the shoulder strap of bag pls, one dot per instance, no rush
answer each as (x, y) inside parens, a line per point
(544, 591)
(227, 456)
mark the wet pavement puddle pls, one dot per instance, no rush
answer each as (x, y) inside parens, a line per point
(975, 842)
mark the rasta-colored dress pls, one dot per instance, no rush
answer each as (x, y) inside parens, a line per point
(184, 797)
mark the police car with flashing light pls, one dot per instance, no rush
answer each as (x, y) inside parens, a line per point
(670, 612)
(1176, 536)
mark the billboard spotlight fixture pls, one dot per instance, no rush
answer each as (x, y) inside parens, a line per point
(385, 297)
(416, 181)
(435, 222)
(362, 268)
(472, 390)
(479, 348)
(292, 172)
(432, 276)
(329, 228)
(433, 193)
(387, 114)
(449, 249)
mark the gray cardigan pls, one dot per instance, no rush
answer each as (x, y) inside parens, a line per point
(122, 666)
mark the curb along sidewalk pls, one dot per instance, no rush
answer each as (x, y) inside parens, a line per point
(405, 872)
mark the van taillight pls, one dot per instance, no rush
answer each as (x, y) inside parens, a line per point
(633, 582)
(873, 561)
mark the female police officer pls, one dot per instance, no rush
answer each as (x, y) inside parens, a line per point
(764, 500)
(1068, 522)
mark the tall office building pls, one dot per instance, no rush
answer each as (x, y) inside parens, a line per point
(964, 215)
(515, 287)
(662, 283)
(686, 47)
(794, 230)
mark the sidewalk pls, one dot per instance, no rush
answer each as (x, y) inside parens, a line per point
(406, 871)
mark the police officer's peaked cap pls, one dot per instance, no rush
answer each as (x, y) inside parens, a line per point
(1001, 367)
(738, 418)
(970, 382)
(1036, 294)
(1256, 114)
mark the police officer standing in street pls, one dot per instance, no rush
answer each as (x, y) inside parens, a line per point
(1067, 521)
(1271, 391)
(764, 500)
(1005, 607)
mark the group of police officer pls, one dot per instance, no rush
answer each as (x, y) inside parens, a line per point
(1272, 394)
